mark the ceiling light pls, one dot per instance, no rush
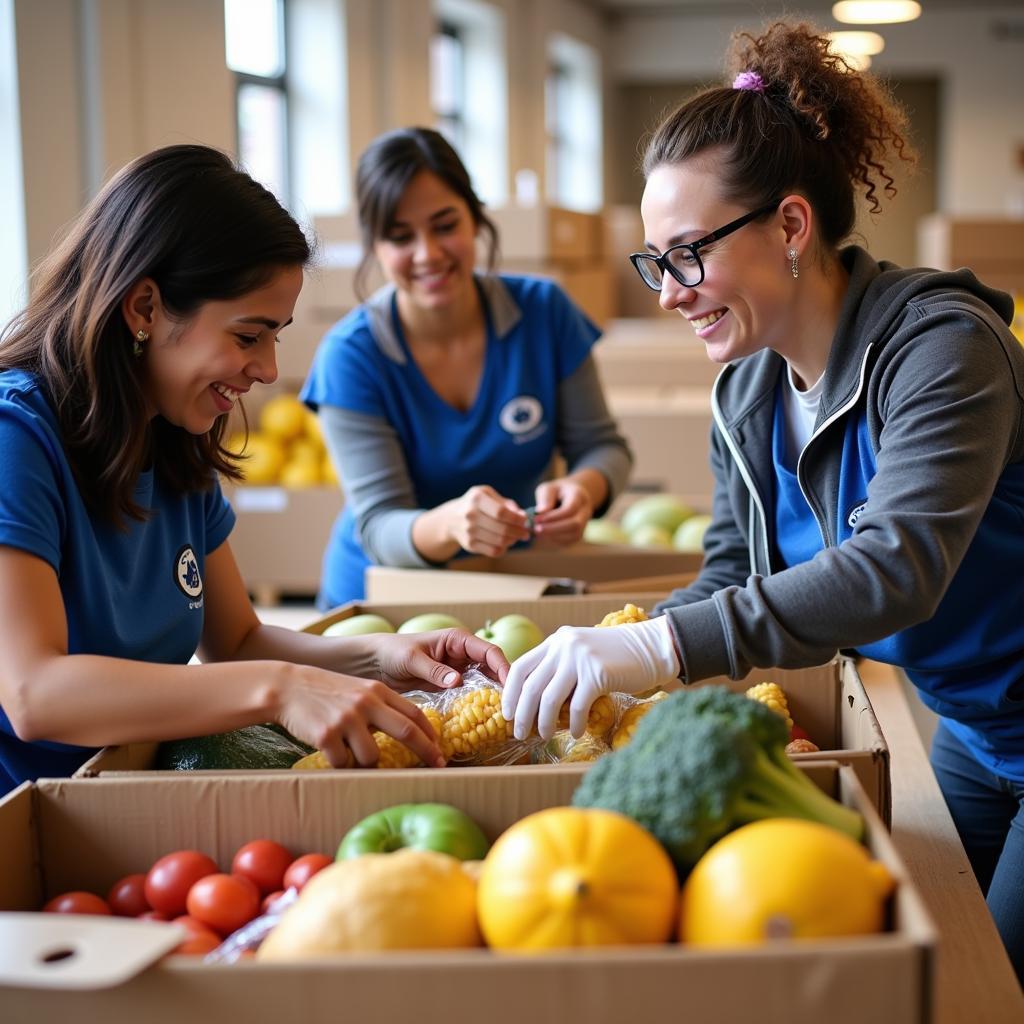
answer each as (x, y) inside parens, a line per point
(875, 12)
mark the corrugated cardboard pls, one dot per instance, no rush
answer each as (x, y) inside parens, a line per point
(67, 834)
(827, 701)
(529, 574)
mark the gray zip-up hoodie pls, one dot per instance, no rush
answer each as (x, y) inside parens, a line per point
(928, 357)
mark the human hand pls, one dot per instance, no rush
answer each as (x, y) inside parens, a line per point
(585, 662)
(337, 713)
(437, 659)
(563, 509)
(485, 523)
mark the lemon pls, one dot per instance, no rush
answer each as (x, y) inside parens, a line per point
(264, 459)
(283, 417)
(782, 878)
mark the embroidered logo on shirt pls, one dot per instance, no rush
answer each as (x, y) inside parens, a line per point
(186, 574)
(520, 415)
(852, 518)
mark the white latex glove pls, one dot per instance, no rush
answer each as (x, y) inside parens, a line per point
(585, 662)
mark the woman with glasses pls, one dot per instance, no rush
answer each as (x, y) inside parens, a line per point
(868, 447)
(156, 313)
(446, 395)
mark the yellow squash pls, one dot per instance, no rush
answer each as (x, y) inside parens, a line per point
(782, 878)
(573, 876)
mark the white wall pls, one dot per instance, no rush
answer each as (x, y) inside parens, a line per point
(13, 266)
(983, 86)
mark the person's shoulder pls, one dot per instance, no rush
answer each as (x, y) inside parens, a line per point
(529, 289)
(21, 390)
(351, 331)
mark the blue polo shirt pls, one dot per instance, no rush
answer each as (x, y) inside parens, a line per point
(967, 660)
(506, 440)
(134, 593)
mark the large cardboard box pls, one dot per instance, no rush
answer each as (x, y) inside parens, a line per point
(533, 573)
(993, 248)
(828, 701)
(68, 834)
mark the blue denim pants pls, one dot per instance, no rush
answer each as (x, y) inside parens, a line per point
(988, 812)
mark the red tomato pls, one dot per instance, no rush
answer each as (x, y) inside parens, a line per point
(127, 898)
(224, 902)
(77, 903)
(154, 915)
(796, 733)
(301, 870)
(268, 899)
(264, 862)
(200, 939)
(171, 877)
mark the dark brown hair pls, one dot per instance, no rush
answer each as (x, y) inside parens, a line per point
(819, 128)
(202, 230)
(385, 169)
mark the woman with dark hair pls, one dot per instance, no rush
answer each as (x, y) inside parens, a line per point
(157, 313)
(868, 446)
(446, 395)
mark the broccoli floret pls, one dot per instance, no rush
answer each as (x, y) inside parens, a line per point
(701, 763)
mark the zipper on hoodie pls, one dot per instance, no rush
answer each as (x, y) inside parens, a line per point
(756, 504)
(819, 518)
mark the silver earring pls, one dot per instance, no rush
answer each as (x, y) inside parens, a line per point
(794, 261)
(141, 337)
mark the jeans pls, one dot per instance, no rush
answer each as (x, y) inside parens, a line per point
(988, 812)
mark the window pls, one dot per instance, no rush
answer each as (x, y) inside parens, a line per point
(13, 249)
(254, 32)
(469, 91)
(448, 83)
(572, 102)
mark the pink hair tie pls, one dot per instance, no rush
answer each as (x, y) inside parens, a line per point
(748, 80)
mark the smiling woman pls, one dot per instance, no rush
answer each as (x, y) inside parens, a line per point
(157, 312)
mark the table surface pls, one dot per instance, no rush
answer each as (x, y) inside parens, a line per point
(974, 981)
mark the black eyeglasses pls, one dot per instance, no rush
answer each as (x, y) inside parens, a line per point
(683, 261)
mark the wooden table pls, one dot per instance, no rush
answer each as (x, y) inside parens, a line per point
(974, 982)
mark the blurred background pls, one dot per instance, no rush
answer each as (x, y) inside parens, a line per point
(548, 102)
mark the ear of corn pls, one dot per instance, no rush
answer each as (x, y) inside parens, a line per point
(771, 695)
(474, 724)
(564, 748)
(631, 718)
(628, 613)
(600, 718)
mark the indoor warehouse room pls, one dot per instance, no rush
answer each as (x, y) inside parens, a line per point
(510, 496)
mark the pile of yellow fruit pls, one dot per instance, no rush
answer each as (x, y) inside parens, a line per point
(287, 449)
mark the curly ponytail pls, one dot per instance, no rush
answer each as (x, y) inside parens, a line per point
(817, 127)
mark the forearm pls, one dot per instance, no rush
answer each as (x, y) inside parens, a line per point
(93, 701)
(432, 534)
(355, 656)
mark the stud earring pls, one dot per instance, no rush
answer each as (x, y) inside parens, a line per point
(794, 261)
(140, 338)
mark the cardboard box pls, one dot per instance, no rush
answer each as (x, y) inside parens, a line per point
(993, 248)
(652, 364)
(828, 701)
(68, 834)
(530, 574)
(280, 536)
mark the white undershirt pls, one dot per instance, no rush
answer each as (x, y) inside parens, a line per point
(800, 411)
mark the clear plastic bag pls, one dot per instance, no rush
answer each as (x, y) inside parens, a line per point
(249, 936)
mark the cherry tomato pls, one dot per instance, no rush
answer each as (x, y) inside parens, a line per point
(171, 877)
(268, 899)
(224, 902)
(77, 903)
(796, 733)
(154, 915)
(301, 870)
(127, 897)
(264, 862)
(200, 939)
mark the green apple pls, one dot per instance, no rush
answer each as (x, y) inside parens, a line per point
(664, 510)
(689, 536)
(650, 535)
(356, 625)
(514, 634)
(604, 531)
(428, 621)
(438, 827)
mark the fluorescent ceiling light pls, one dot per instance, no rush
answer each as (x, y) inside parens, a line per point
(875, 12)
(856, 48)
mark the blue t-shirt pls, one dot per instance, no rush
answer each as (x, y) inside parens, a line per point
(507, 438)
(133, 593)
(967, 660)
